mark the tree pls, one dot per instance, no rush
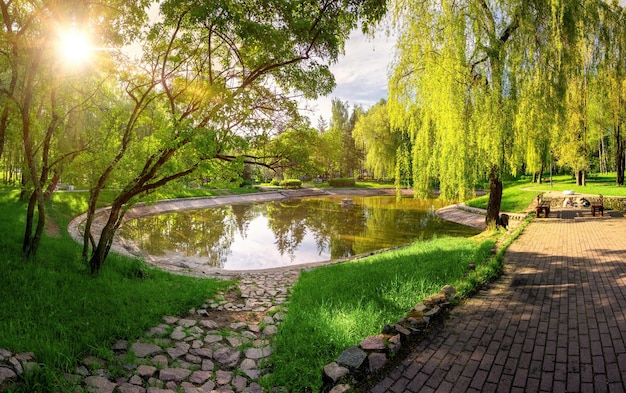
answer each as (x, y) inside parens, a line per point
(220, 71)
(38, 94)
(380, 143)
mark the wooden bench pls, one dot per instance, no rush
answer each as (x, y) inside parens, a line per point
(598, 207)
(543, 205)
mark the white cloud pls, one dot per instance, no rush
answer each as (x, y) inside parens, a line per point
(361, 74)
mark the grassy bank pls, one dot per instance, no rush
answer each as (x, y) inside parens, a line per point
(54, 308)
(335, 307)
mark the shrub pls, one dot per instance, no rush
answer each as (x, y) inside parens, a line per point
(275, 182)
(291, 183)
(342, 182)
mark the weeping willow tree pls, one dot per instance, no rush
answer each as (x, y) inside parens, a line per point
(488, 88)
(454, 67)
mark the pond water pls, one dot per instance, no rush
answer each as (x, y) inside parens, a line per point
(288, 232)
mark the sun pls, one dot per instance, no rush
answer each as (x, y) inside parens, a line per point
(74, 47)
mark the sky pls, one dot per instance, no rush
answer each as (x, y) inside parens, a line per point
(361, 75)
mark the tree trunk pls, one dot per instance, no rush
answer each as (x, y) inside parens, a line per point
(620, 156)
(32, 240)
(101, 251)
(540, 180)
(495, 197)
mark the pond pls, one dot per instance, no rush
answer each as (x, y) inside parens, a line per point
(287, 232)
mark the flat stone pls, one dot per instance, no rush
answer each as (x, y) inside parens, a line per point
(395, 343)
(146, 371)
(179, 350)
(227, 356)
(373, 343)
(143, 350)
(130, 388)
(200, 377)
(173, 374)
(238, 325)
(434, 311)
(99, 385)
(6, 374)
(187, 322)
(376, 362)
(239, 383)
(178, 334)
(270, 330)
(17, 366)
(340, 389)
(136, 380)
(207, 365)
(5, 353)
(212, 338)
(170, 320)
(247, 364)
(223, 377)
(209, 324)
(160, 330)
(258, 353)
(352, 358)
(203, 352)
(25, 356)
(159, 390)
(121, 345)
(160, 361)
(234, 341)
(208, 387)
(335, 372)
(254, 388)
(252, 373)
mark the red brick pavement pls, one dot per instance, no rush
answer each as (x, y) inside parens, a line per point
(554, 322)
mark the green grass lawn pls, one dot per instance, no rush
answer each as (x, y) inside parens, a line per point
(53, 307)
(334, 307)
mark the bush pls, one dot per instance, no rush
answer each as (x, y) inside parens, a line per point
(275, 182)
(342, 182)
(291, 183)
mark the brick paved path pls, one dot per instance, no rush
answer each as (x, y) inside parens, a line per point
(555, 321)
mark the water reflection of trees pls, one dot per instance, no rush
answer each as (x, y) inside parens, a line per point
(339, 231)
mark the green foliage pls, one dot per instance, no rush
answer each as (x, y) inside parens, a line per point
(275, 182)
(53, 307)
(334, 307)
(291, 183)
(342, 182)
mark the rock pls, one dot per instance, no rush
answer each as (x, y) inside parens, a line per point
(258, 353)
(25, 357)
(146, 371)
(130, 388)
(178, 334)
(208, 387)
(223, 377)
(254, 388)
(6, 374)
(340, 389)
(334, 372)
(159, 390)
(136, 380)
(420, 307)
(99, 385)
(5, 354)
(270, 330)
(17, 366)
(173, 374)
(373, 343)
(434, 311)
(377, 361)
(238, 325)
(395, 343)
(212, 338)
(200, 377)
(402, 330)
(160, 361)
(209, 324)
(352, 358)
(179, 350)
(247, 364)
(170, 320)
(239, 383)
(449, 292)
(121, 345)
(203, 352)
(207, 365)
(143, 350)
(187, 322)
(227, 356)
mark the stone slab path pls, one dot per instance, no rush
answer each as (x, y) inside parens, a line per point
(554, 322)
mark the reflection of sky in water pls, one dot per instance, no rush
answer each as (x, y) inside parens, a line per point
(259, 249)
(286, 233)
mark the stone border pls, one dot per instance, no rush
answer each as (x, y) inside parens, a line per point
(371, 356)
